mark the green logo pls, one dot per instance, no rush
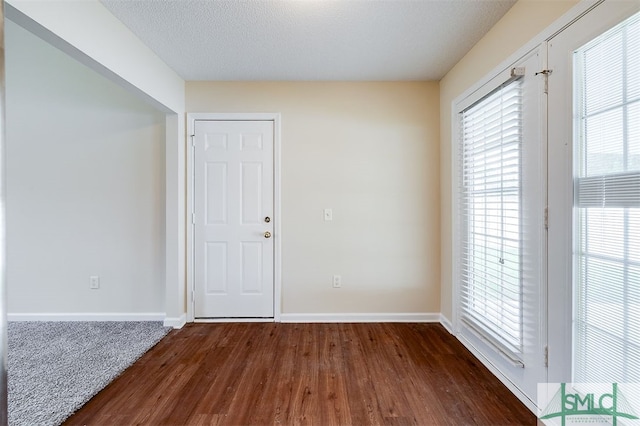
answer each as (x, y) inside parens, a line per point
(588, 407)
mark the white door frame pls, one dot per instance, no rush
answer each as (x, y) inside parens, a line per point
(277, 277)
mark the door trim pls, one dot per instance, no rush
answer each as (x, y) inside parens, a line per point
(277, 240)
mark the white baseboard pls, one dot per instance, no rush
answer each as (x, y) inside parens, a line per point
(174, 322)
(227, 320)
(391, 317)
(147, 316)
(446, 324)
(499, 375)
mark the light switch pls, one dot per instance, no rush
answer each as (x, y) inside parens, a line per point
(328, 215)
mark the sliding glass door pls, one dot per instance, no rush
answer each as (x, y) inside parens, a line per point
(594, 234)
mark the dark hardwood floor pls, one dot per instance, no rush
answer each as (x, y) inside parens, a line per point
(320, 374)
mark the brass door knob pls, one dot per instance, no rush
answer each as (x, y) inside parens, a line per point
(267, 234)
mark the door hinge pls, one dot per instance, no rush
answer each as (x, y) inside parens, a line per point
(193, 218)
(546, 218)
(193, 296)
(546, 355)
(193, 141)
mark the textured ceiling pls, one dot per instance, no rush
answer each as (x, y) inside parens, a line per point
(345, 40)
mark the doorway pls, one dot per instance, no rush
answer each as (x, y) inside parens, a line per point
(235, 229)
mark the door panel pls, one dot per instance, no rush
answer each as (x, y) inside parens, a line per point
(251, 193)
(233, 196)
(252, 266)
(216, 267)
(216, 181)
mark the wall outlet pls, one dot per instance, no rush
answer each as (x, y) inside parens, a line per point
(94, 282)
(337, 281)
(328, 215)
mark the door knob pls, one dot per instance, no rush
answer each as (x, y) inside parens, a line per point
(267, 234)
(267, 219)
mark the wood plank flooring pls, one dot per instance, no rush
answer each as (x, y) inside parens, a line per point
(306, 374)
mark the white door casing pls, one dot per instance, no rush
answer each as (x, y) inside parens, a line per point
(234, 218)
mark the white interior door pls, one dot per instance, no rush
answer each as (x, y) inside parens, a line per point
(234, 223)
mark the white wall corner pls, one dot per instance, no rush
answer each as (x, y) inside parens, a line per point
(175, 229)
(446, 323)
(175, 322)
(357, 318)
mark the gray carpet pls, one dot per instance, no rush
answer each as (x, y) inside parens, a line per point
(56, 367)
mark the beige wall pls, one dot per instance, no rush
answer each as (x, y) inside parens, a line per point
(370, 152)
(525, 20)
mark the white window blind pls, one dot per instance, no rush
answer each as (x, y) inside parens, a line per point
(607, 207)
(490, 209)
